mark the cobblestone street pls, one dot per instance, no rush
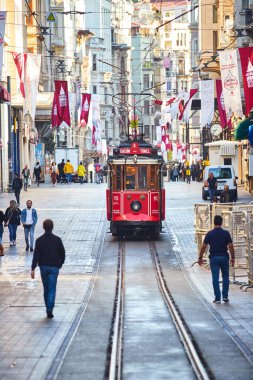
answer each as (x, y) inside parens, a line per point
(29, 340)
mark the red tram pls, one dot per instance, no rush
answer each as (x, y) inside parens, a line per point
(135, 195)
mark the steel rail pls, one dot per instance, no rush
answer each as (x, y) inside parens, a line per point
(191, 351)
(115, 369)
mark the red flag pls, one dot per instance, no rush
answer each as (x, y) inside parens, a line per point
(160, 102)
(221, 105)
(60, 109)
(85, 107)
(20, 62)
(170, 101)
(246, 55)
(192, 93)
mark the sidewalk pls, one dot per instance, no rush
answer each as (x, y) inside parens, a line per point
(180, 220)
(29, 340)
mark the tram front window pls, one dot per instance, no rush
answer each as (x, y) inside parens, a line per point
(130, 177)
(142, 177)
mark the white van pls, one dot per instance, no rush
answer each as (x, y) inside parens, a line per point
(225, 175)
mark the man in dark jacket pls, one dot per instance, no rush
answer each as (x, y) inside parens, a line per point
(62, 176)
(37, 173)
(49, 255)
(17, 186)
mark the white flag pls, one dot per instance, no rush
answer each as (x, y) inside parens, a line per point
(2, 32)
(207, 102)
(31, 83)
(230, 82)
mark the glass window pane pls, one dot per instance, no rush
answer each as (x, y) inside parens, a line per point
(153, 169)
(130, 177)
(118, 177)
(142, 177)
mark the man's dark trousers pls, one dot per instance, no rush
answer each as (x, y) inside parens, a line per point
(218, 263)
(49, 277)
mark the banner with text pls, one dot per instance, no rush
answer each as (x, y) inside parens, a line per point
(230, 82)
(85, 109)
(207, 102)
(246, 55)
(60, 109)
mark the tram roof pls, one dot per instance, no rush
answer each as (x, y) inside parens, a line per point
(136, 161)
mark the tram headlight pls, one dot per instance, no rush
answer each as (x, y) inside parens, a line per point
(135, 205)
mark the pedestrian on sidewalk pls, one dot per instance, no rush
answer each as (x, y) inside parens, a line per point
(219, 241)
(188, 174)
(49, 255)
(53, 173)
(61, 176)
(37, 173)
(12, 220)
(1, 232)
(81, 171)
(225, 196)
(17, 186)
(29, 219)
(68, 170)
(26, 176)
(212, 185)
(175, 173)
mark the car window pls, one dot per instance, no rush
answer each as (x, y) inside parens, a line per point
(221, 173)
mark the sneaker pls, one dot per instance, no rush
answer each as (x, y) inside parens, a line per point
(226, 300)
(50, 314)
(27, 248)
(216, 301)
(14, 242)
(31, 249)
(11, 244)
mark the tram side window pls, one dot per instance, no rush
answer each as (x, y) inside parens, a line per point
(142, 177)
(130, 177)
(118, 177)
(153, 170)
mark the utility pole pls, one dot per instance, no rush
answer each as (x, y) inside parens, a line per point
(10, 142)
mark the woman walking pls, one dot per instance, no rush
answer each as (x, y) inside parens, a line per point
(54, 173)
(1, 232)
(12, 220)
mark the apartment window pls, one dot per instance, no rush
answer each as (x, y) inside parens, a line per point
(215, 40)
(168, 87)
(167, 73)
(146, 81)
(94, 89)
(94, 62)
(146, 130)
(181, 67)
(146, 107)
(215, 14)
(105, 92)
(123, 64)
(245, 4)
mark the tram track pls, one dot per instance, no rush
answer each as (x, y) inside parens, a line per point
(115, 354)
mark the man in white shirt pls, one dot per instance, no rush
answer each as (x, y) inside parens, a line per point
(29, 219)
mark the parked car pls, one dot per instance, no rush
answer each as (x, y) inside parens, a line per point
(225, 175)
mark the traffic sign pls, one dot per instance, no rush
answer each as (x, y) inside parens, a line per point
(51, 17)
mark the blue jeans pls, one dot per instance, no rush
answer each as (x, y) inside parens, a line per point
(29, 230)
(1, 232)
(49, 279)
(218, 263)
(69, 177)
(211, 193)
(12, 231)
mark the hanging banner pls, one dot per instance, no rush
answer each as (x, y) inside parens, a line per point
(31, 83)
(2, 32)
(166, 62)
(221, 106)
(207, 102)
(246, 55)
(230, 82)
(20, 62)
(60, 109)
(185, 114)
(85, 108)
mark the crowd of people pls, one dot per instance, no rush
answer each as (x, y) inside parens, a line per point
(185, 171)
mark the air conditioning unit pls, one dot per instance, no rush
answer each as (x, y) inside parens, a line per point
(227, 150)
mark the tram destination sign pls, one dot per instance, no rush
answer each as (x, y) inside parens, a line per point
(135, 149)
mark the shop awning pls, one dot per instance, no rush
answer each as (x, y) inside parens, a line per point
(5, 96)
(242, 129)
